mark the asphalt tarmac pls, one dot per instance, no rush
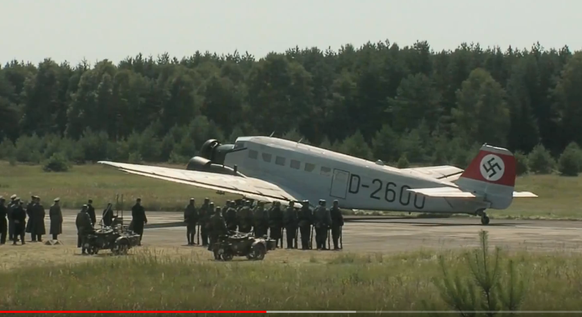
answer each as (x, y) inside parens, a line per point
(388, 235)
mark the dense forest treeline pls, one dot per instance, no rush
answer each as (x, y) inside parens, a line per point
(379, 101)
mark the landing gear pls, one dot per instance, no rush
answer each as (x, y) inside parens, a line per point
(484, 218)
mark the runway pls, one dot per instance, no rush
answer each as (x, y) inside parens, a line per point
(389, 235)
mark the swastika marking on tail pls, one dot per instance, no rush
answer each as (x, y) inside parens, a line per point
(492, 167)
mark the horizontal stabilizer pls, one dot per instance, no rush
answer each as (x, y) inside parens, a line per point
(524, 195)
(444, 192)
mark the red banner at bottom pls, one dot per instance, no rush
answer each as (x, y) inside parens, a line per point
(133, 312)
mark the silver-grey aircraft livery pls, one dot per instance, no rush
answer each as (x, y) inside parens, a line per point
(271, 169)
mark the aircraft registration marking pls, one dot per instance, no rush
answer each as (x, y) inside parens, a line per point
(391, 192)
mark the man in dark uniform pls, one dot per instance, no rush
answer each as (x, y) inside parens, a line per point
(91, 212)
(29, 213)
(107, 215)
(138, 218)
(305, 219)
(84, 227)
(19, 218)
(3, 221)
(56, 217)
(211, 212)
(203, 218)
(230, 217)
(38, 214)
(337, 222)
(190, 218)
(290, 220)
(276, 223)
(11, 206)
(260, 220)
(321, 221)
(217, 228)
(245, 218)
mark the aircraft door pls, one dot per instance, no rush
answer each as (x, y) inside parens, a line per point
(339, 183)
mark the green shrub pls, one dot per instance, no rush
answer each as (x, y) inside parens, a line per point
(56, 163)
(402, 162)
(521, 163)
(569, 162)
(541, 161)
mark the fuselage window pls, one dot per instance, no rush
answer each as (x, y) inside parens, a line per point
(280, 161)
(325, 170)
(266, 157)
(295, 164)
(253, 154)
(309, 167)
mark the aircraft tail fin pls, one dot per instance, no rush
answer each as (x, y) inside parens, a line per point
(491, 175)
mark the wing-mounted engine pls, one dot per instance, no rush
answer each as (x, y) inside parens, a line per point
(211, 159)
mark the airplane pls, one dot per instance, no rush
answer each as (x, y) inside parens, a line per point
(270, 169)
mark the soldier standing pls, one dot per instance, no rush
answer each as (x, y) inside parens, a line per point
(38, 214)
(337, 222)
(190, 218)
(211, 213)
(138, 218)
(321, 221)
(230, 217)
(30, 214)
(3, 222)
(107, 216)
(305, 219)
(11, 206)
(290, 220)
(91, 212)
(56, 217)
(260, 220)
(245, 218)
(84, 227)
(203, 218)
(19, 218)
(276, 223)
(218, 228)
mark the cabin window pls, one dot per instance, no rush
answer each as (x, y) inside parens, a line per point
(309, 167)
(253, 154)
(295, 164)
(280, 161)
(266, 157)
(325, 170)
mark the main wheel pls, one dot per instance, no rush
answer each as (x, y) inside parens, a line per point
(258, 252)
(484, 220)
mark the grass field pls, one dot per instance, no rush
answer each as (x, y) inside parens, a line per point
(558, 196)
(187, 279)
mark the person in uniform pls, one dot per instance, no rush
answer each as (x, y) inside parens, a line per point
(203, 217)
(276, 223)
(11, 206)
(191, 219)
(138, 218)
(305, 219)
(107, 216)
(260, 220)
(217, 228)
(337, 222)
(29, 213)
(211, 211)
(38, 214)
(84, 228)
(56, 217)
(321, 221)
(230, 217)
(245, 218)
(91, 212)
(290, 221)
(19, 218)
(3, 221)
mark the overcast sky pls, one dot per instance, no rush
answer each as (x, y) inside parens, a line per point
(97, 29)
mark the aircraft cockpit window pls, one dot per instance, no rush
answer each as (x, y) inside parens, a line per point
(266, 157)
(239, 145)
(309, 167)
(295, 164)
(280, 161)
(253, 154)
(325, 170)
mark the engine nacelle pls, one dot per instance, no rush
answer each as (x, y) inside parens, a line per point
(202, 164)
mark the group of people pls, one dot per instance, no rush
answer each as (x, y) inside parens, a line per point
(16, 226)
(242, 216)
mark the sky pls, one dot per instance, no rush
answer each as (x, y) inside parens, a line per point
(73, 30)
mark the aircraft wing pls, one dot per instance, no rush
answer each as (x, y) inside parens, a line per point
(439, 172)
(248, 187)
(453, 192)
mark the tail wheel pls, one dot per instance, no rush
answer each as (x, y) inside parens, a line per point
(484, 220)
